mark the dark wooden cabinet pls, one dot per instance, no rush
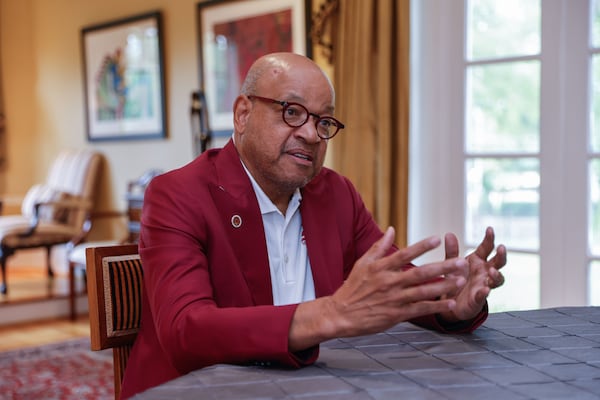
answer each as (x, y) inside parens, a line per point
(134, 213)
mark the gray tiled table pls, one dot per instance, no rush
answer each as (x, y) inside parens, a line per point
(541, 354)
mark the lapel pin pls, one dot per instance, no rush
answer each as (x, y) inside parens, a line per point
(236, 221)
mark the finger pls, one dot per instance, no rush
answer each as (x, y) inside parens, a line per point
(428, 307)
(495, 279)
(486, 246)
(499, 259)
(434, 289)
(498, 281)
(387, 240)
(408, 254)
(382, 246)
(451, 245)
(482, 294)
(427, 273)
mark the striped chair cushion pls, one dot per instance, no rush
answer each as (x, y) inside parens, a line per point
(123, 294)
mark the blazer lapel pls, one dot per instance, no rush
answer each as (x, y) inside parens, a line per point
(242, 221)
(322, 238)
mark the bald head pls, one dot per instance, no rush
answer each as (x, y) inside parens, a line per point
(271, 68)
(279, 156)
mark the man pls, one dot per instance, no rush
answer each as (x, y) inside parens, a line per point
(256, 253)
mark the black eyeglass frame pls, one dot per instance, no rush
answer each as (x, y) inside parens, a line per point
(318, 118)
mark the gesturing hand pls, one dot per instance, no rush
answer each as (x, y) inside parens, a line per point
(379, 293)
(382, 291)
(482, 276)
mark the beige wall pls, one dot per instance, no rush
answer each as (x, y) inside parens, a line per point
(43, 90)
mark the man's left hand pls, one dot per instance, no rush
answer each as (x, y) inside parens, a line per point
(482, 276)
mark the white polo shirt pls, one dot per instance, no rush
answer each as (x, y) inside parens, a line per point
(291, 276)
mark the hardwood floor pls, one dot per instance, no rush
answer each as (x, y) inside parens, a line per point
(43, 332)
(29, 284)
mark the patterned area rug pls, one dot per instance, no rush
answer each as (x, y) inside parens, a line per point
(65, 370)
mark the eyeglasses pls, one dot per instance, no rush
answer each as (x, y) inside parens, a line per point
(296, 115)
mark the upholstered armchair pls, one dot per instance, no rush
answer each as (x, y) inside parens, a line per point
(55, 212)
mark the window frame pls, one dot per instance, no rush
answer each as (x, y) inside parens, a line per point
(436, 195)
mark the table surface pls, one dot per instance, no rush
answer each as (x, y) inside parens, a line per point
(538, 354)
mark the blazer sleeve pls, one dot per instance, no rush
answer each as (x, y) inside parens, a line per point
(435, 323)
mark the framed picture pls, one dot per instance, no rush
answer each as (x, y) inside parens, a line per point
(124, 79)
(234, 33)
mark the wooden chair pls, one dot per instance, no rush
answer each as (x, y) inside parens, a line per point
(114, 281)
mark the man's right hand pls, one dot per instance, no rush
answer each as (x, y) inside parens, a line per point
(379, 293)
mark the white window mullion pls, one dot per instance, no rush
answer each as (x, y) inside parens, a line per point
(436, 195)
(552, 163)
(562, 238)
(575, 133)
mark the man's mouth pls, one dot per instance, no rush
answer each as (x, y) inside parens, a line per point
(302, 156)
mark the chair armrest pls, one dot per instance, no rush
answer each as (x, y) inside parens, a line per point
(72, 203)
(85, 229)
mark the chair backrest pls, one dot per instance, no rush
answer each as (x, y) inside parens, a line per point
(72, 175)
(70, 171)
(114, 280)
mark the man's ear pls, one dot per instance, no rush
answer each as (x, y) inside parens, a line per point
(241, 113)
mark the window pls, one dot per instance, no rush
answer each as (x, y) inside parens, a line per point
(594, 159)
(501, 136)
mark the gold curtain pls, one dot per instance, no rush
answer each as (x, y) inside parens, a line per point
(371, 64)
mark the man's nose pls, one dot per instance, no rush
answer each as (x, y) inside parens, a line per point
(308, 131)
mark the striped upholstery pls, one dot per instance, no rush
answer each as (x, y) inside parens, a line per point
(115, 284)
(122, 294)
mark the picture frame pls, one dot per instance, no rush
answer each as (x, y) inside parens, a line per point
(234, 33)
(124, 80)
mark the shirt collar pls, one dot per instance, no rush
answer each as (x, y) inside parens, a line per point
(265, 204)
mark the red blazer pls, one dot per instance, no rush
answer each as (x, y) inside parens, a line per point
(207, 296)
